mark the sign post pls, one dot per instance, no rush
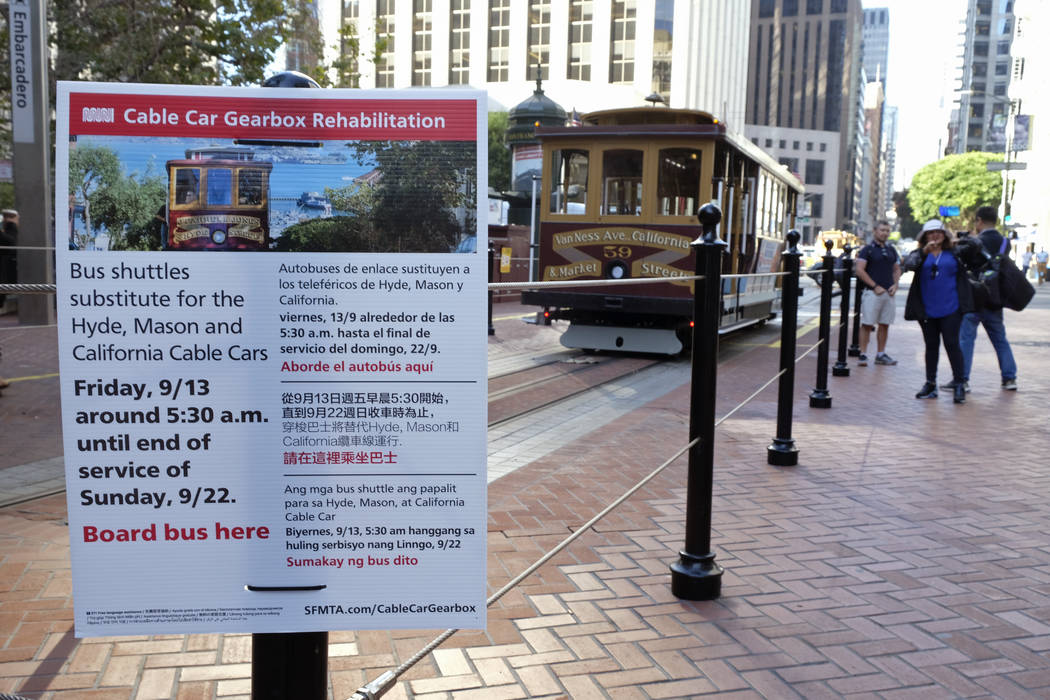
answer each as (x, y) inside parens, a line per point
(30, 112)
(273, 384)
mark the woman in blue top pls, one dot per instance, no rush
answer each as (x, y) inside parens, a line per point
(939, 297)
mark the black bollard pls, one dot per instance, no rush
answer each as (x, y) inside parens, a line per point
(492, 267)
(841, 369)
(783, 452)
(290, 665)
(820, 396)
(696, 576)
(854, 345)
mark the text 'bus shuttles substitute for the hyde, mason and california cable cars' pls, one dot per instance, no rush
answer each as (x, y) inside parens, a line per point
(619, 201)
(218, 199)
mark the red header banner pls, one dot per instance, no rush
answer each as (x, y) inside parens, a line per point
(92, 113)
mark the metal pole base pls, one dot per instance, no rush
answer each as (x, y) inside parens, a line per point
(854, 351)
(492, 330)
(840, 370)
(820, 399)
(782, 453)
(696, 578)
(290, 665)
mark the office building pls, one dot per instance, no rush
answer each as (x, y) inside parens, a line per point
(591, 54)
(876, 50)
(804, 101)
(978, 122)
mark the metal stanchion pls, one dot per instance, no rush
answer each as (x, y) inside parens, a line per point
(290, 665)
(854, 345)
(492, 267)
(696, 576)
(841, 369)
(820, 396)
(783, 452)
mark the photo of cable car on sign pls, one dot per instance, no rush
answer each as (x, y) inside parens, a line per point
(620, 195)
(129, 193)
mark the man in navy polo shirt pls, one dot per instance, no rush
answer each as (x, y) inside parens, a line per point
(878, 269)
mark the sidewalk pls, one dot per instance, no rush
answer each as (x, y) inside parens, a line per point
(906, 556)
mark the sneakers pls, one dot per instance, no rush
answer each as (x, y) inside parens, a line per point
(862, 360)
(951, 385)
(928, 391)
(1009, 385)
(884, 359)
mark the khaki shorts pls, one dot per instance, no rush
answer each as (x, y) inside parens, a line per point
(877, 308)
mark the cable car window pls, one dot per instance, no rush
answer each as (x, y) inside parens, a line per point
(249, 187)
(187, 185)
(569, 181)
(220, 186)
(678, 183)
(622, 179)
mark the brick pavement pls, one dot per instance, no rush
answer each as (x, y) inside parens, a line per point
(906, 556)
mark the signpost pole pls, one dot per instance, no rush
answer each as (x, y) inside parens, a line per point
(291, 665)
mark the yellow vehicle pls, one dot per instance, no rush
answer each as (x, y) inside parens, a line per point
(839, 239)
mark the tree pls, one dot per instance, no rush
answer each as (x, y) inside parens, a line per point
(206, 42)
(499, 154)
(91, 168)
(906, 223)
(961, 180)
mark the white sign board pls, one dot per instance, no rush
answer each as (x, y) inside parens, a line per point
(273, 366)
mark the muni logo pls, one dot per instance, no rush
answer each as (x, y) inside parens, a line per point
(97, 114)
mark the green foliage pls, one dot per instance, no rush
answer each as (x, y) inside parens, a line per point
(907, 226)
(205, 42)
(499, 154)
(126, 206)
(332, 235)
(962, 180)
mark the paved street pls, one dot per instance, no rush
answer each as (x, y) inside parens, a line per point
(907, 555)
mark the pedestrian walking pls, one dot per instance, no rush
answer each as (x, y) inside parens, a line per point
(1040, 264)
(878, 269)
(938, 298)
(991, 318)
(1026, 260)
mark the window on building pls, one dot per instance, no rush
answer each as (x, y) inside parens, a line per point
(791, 163)
(1003, 48)
(794, 145)
(782, 144)
(980, 48)
(1006, 6)
(835, 68)
(839, 5)
(385, 43)
(978, 87)
(814, 171)
(678, 183)
(982, 28)
(814, 7)
(539, 39)
(789, 8)
(976, 110)
(1002, 69)
(1000, 89)
(809, 145)
(766, 8)
(754, 140)
(769, 143)
(979, 69)
(499, 41)
(1005, 27)
(459, 42)
(569, 178)
(349, 68)
(823, 147)
(816, 205)
(984, 7)
(622, 182)
(422, 36)
(975, 131)
(663, 35)
(581, 18)
(621, 58)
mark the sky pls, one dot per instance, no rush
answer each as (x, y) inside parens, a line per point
(925, 45)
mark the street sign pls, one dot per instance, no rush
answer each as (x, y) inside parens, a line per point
(948, 210)
(1003, 165)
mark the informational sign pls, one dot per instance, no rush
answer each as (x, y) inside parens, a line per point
(272, 361)
(948, 210)
(504, 259)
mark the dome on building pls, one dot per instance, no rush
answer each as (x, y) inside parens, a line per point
(536, 109)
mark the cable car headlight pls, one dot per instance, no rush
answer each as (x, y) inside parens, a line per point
(617, 270)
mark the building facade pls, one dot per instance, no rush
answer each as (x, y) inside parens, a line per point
(591, 54)
(876, 43)
(804, 87)
(978, 123)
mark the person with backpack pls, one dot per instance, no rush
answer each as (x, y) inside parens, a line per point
(991, 317)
